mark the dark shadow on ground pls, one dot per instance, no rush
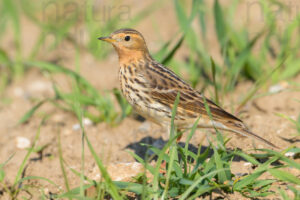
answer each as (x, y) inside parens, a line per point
(144, 152)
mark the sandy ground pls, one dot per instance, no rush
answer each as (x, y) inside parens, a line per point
(113, 143)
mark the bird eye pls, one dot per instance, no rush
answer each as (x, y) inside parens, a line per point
(127, 38)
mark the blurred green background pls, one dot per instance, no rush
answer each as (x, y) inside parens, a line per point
(215, 45)
(221, 43)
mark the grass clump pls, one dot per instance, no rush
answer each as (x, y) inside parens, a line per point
(187, 174)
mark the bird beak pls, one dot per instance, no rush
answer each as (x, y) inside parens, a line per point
(107, 39)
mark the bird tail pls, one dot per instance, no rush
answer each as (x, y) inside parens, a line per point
(239, 128)
(248, 133)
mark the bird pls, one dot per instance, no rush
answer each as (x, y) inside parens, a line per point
(151, 89)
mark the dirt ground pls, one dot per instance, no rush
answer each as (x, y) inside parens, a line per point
(113, 143)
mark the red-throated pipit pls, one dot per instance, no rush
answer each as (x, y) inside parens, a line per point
(152, 88)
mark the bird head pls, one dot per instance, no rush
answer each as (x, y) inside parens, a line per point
(129, 43)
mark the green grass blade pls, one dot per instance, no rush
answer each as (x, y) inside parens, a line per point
(132, 187)
(2, 172)
(61, 162)
(75, 193)
(30, 150)
(213, 69)
(188, 139)
(110, 185)
(162, 152)
(248, 180)
(202, 18)
(29, 113)
(196, 182)
(222, 176)
(202, 190)
(259, 84)
(247, 157)
(220, 24)
(283, 194)
(280, 156)
(171, 53)
(37, 178)
(173, 156)
(284, 176)
(140, 160)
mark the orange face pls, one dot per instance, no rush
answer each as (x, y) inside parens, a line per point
(127, 42)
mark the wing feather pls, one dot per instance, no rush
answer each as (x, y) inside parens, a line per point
(164, 86)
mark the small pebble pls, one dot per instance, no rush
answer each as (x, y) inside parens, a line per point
(278, 87)
(76, 127)
(289, 154)
(39, 86)
(279, 131)
(18, 92)
(247, 164)
(293, 117)
(241, 174)
(87, 122)
(67, 132)
(97, 177)
(58, 118)
(46, 191)
(124, 171)
(22, 142)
